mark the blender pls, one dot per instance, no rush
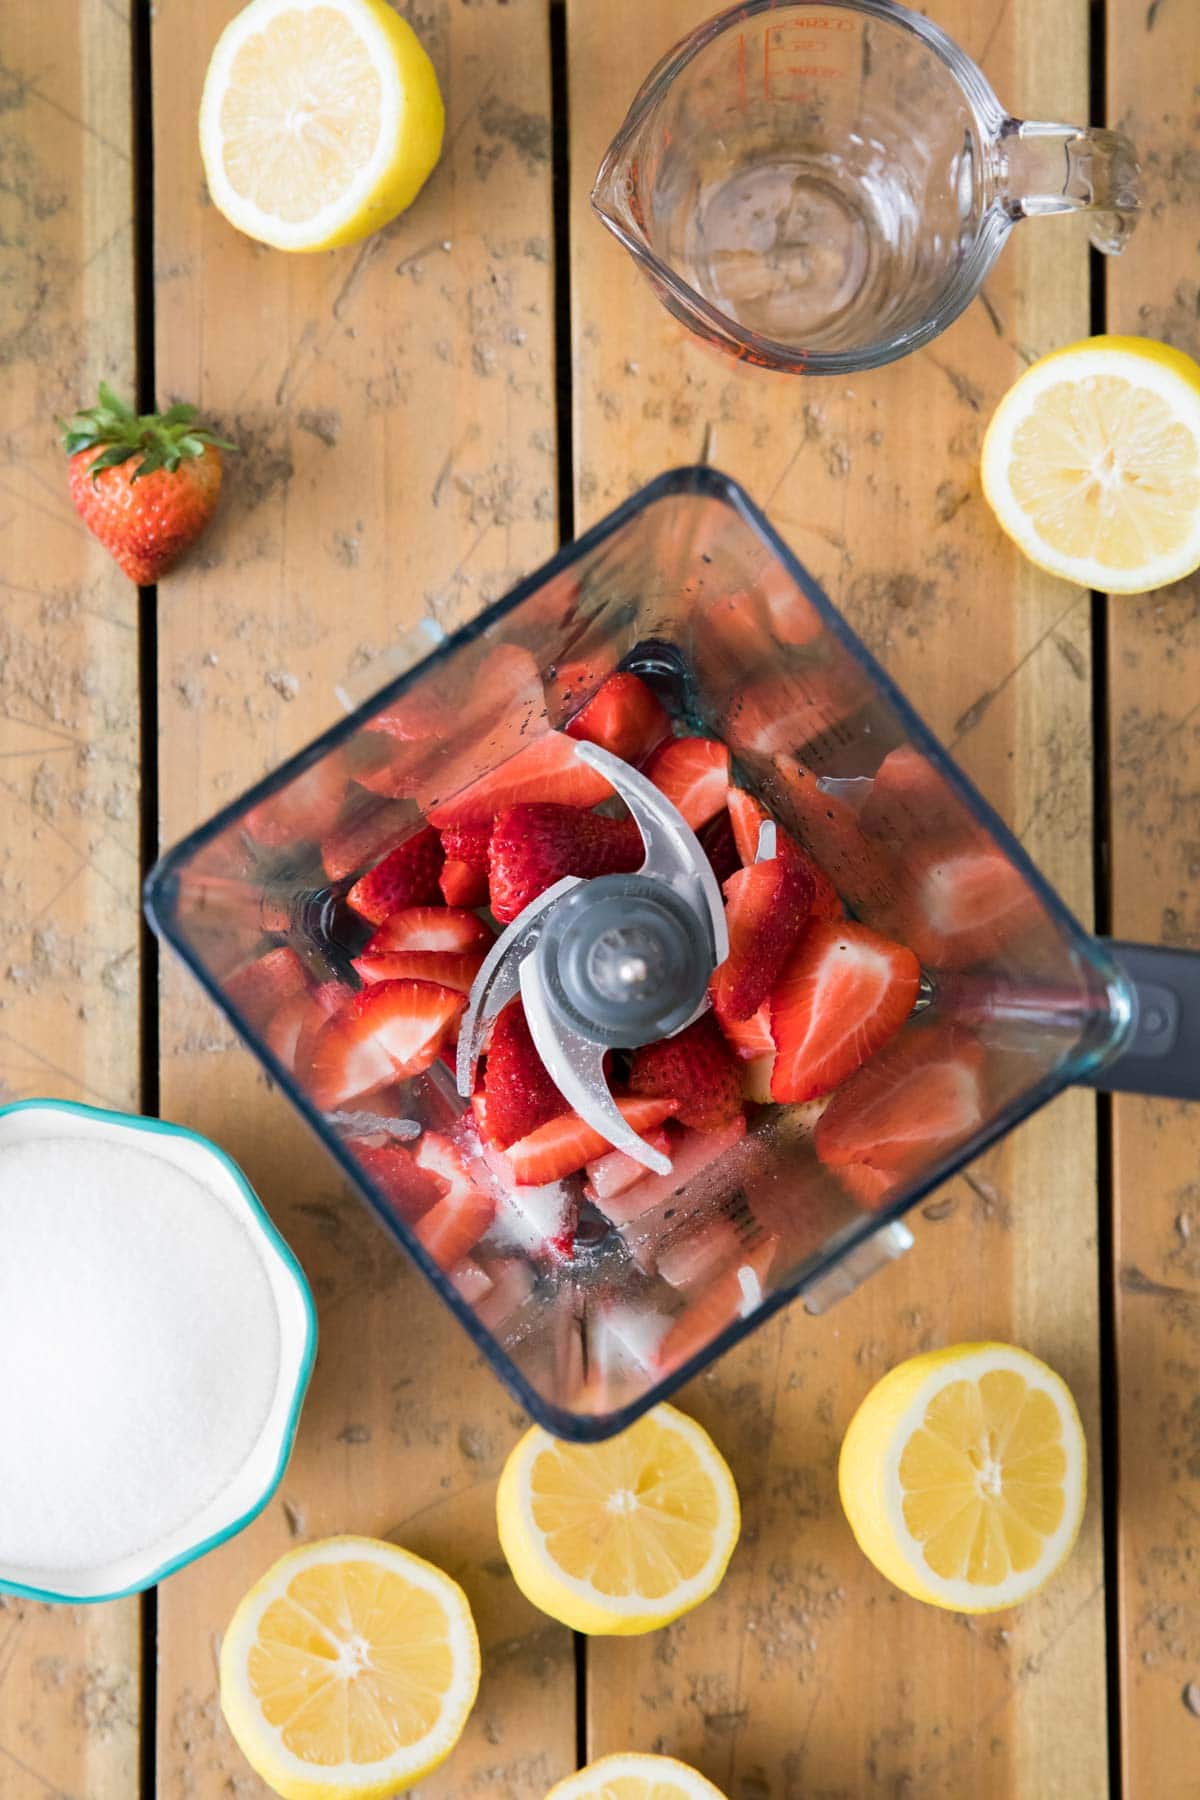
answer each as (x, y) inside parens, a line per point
(595, 1289)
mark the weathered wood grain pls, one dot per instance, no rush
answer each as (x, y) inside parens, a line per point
(808, 1674)
(1154, 752)
(69, 1678)
(394, 405)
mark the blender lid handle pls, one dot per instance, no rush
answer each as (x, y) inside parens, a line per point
(1163, 1055)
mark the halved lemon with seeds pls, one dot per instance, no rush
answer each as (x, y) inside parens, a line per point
(963, 1475)
(621, 1537)
(319, 122)
(634, 1776)
(1092, 464)
(349, 1670)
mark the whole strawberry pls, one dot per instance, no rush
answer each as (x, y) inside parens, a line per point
(146, 485)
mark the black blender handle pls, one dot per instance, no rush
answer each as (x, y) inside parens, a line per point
(1163, 1055)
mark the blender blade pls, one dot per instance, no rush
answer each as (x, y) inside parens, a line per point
(617, 961)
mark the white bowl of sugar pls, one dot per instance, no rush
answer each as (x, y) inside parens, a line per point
(156, 1340)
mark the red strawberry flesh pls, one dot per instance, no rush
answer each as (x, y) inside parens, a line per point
(455, 969)
(766, 907)
(919, 1097)
(389, 1031)
(262, 985)
(407, 876)
(430, 928)
(693, 773)
(535, 844)
(842, 994)
(623, 716)
(565, 1144)
(518, 1094)
(695, 1066)
(545, 769)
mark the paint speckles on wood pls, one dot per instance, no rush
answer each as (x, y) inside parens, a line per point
(69, 1678)
(394, 406)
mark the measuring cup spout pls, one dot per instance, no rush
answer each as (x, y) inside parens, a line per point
(1070, 168)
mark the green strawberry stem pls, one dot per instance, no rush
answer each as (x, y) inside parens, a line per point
(159, 440)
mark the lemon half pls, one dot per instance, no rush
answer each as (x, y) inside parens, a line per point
(319, 121)
(633, 1776)
(963, 1475)
(349, 1670)
(1092, 464)
(621, 1537)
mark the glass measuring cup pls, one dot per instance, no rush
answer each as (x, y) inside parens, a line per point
(823, 187)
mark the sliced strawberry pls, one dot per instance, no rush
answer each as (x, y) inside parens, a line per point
(870, 1188)
(535, 844)
(408, 876)
(735, 1294)
(691, 1153)
(408, 1189)
(293, 1026)
(693, 772)
(616, 1171)
(961, 903)
(545, 769)
(917, 1099)
(455, 969)
(462, 884)
(792, 705)
(367, 826)
(259, 987)
(859, 867)
(302, 811)
(750, 1038)
(452, 1228)
(695, 1064)
(565, 1144)
(468, 843)
(717, 842)
(327, 998)
(623, 716)
(909, 799)
(747, 815)
(391, 1030)
(518, 1094)
(430, 928)
(842, 994)
(766, 907)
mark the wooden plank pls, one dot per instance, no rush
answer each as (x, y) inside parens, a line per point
(69, 1678)
(807, 1673)
(1154, 752)
(394, 404)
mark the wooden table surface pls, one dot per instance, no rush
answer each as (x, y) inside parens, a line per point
(421, 418)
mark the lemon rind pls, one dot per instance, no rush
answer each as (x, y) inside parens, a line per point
(1161, 370)
(577, 1603)
(872, 1496)
(262, 1744)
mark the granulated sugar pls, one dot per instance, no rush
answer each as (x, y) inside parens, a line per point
(139, 1351)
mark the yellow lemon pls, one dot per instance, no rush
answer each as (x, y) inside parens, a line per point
(635, 1777)
(349, 1670)
(621, 1537)
(963, 1475)
(319, 122)
(1092, 464)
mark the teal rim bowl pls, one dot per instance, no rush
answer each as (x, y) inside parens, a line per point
(259, 1477)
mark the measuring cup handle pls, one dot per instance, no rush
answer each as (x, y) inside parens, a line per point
(1070, 168)
(1163, 1055)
